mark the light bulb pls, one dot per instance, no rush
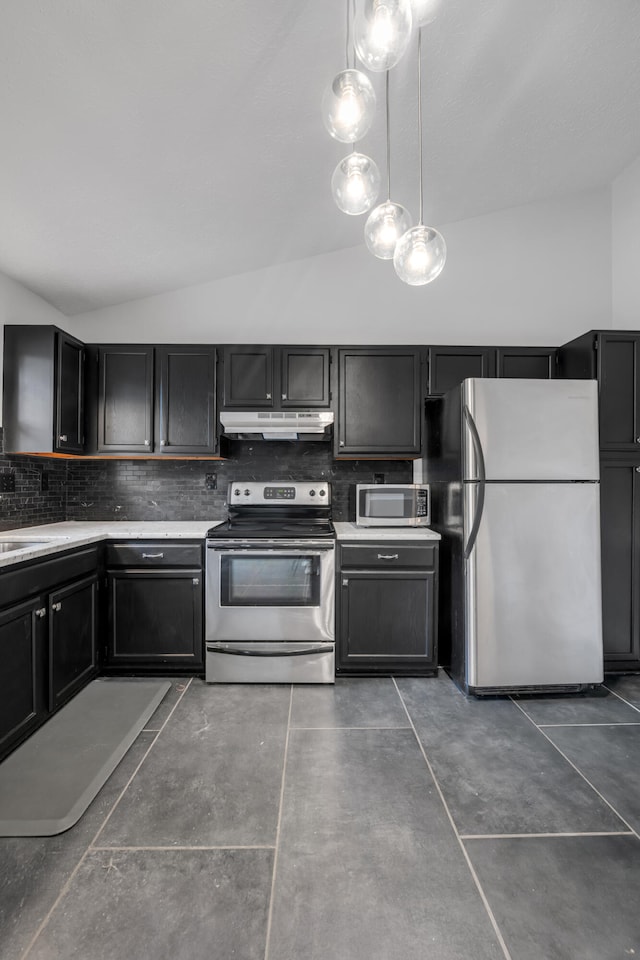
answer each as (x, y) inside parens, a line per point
(420, 255)
(355, 184)
(384, 227)
(348, 106)
(382, 33)
(425, 11)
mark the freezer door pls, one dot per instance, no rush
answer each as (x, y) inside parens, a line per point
(532, 586)
(530, 429)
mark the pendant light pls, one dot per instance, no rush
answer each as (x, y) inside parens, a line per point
(355, 184)
(388, 221)
(382, 33)
(421, 252)
(349, 102)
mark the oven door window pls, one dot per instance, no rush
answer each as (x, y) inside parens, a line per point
(269, 580)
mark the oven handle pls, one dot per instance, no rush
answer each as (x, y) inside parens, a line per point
(271, 547)
(240, 652)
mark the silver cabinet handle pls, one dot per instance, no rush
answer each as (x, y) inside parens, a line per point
(62, 438)
(345, 583)
(195, 581)
(152, 556)
(268, 396)
(163, 443)
(637, 469)
(147, 443)
(637, 439)
(387, 556)
(56, 606)
(284, 396)
(41, 612)
(342, 443)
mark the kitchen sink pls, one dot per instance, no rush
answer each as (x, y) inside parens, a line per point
(8, 546)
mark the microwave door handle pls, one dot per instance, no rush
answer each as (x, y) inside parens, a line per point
(480, 485)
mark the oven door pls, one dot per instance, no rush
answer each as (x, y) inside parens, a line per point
(270, 611)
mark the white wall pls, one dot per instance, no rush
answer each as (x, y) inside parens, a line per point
(625, 248)
(19, 305)
(537, 274)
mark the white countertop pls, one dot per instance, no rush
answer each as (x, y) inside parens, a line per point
(54, 537)
(349, 531)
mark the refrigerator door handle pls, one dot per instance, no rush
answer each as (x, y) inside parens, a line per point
(477, 446)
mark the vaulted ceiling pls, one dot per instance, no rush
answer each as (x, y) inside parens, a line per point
(148, 145)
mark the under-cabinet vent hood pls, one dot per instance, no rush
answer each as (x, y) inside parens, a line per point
(275, 425)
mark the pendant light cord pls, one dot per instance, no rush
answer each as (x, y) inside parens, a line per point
(388, 140)
(420, 115)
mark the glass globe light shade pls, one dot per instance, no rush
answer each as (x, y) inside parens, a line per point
(425, 11)
(349, 106)
(420, 255)
(382, 33)
(385, 225)
(355, 184)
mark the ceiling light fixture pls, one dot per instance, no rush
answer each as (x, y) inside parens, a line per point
(349, 102)
(382, 33)
(421, 252)
(388, 221)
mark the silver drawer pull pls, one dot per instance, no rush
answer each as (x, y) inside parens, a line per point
(152, 556)
(41, 612)
(387, 556)
(195, 581)
(56, 606)
(62, 438)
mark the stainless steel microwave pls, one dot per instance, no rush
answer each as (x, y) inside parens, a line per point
(393, 505)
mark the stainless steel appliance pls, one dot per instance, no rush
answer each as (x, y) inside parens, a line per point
(270, 586)
(514, 473)
(393, 505)
(277, 425)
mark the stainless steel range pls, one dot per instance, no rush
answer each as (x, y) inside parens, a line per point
(270, 590)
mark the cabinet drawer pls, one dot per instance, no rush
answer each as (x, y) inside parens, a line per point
(154, 554)
(389, 554)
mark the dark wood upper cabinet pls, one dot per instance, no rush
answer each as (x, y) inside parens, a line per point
(537, 363)
(275, 377)
(248, 376)
(125, 399)
(380, 402)
(185, 421)
(449, 366)
(613, 358)
(43, 390)
(304, 376)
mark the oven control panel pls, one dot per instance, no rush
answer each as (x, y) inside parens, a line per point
(257, 492)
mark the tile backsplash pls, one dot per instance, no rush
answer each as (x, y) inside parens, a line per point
(176, 489)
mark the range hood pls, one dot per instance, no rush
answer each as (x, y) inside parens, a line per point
(277, 425)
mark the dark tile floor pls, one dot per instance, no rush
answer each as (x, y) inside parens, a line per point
(367, 821)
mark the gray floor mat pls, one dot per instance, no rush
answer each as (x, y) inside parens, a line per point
(50, 780)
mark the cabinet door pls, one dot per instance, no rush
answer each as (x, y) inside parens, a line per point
(248, 377)
(185, 400)
(620, 537)
(304, 377)
(22, 679)
(537, 363)
(619, 376)
(72, 639)
(155, 618)
(449, 366)
(387, 621)
(380, 409)
(69, 385)
(125, 399)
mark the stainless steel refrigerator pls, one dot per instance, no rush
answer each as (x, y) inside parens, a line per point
(514, 471)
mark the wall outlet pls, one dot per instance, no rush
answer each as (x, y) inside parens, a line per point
(8, 481)
(211, 481)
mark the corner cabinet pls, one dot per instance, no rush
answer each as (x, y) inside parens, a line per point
(380, 403)
(155, 607)
(387, 607)
(153, 400)
(275, 377)
(43, 390)
(48, 638)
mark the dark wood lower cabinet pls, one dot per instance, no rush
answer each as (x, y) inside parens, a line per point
(387, 616)
(155, 620)
(620, 537)
(73, 624)
(23, 702)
